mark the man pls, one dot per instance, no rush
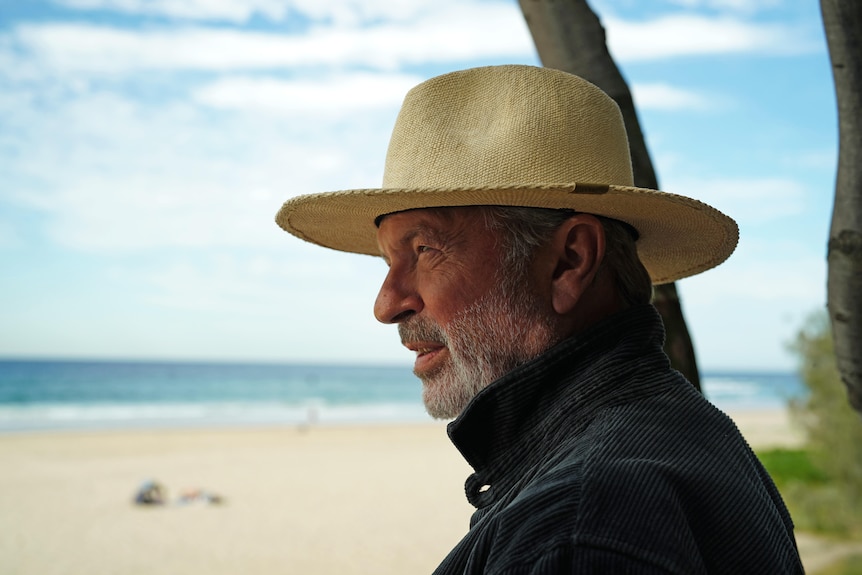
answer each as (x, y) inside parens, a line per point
(521, 263)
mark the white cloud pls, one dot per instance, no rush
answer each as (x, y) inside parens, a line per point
(743, 6)
(114, 150)
(126, 176)
(817, 159)
(742, 313)
(338, 12)
(376, 37)
(768, 271)
(690, 35)
(463, 32)
(659, 96)
(227, 283)
(333, 96)
(100, 49)
(753, 201)
(136, 169)
(307, 304)
(230, 10)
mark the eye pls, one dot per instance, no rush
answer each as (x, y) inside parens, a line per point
(428, 250)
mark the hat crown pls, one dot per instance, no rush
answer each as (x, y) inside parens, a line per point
(517, 136)
(500, 126)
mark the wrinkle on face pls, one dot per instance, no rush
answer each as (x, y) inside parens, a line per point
(469, 319)
(443, 258)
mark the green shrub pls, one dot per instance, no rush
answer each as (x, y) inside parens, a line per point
(834, 438)
(849, 566)
(790, 467)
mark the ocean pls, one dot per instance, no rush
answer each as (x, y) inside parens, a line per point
(67, 395)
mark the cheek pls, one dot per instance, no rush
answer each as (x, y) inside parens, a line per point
(448, 297)
(461, 277)
(445, 301)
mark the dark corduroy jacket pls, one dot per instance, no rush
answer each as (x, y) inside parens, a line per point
(597, 457)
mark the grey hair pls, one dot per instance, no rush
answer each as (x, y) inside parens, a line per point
(525, 229)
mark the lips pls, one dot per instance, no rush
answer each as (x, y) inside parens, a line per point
(428, 355)
(423, 350)
(426, 340)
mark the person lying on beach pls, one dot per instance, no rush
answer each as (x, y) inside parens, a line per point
(521, 264)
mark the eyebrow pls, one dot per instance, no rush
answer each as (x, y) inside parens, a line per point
(423, 230)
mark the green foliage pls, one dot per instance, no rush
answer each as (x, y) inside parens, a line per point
(834, 432)
(790, 467)
(850, 566)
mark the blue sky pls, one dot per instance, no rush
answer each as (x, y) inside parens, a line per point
(145, 146)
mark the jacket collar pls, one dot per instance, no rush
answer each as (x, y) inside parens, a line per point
(509, 425)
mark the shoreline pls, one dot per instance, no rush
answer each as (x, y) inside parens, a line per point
(28, 422)
(378, 498)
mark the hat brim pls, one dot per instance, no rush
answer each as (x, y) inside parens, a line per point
(678, 236)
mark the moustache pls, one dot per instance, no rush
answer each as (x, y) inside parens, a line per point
(421, 329)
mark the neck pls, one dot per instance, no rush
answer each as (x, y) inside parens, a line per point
(599, 301)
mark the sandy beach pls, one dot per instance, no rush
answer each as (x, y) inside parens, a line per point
(372, 499)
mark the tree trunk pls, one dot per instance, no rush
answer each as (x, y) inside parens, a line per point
(569, 37)
(842, 21)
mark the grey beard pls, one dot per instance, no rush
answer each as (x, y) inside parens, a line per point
(491, 337)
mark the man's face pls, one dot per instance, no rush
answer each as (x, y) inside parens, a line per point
(468, 320)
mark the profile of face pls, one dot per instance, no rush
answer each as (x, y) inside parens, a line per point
(467, 317)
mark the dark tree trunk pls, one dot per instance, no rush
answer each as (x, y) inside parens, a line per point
(842, 21)
(569, 37)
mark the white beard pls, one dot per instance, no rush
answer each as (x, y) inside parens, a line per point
(495, 334)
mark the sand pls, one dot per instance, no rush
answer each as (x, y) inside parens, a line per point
(768, 428)
(325, 500)
(372, 499)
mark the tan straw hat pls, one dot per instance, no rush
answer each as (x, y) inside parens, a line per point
(517, 136)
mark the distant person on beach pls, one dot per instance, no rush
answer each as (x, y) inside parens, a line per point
(150, 493)
(521, 264)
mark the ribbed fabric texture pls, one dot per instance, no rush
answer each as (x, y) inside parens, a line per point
(597, 457)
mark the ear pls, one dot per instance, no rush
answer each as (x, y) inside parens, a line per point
(578, 248)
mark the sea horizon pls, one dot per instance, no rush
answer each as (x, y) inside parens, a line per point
(56, 394)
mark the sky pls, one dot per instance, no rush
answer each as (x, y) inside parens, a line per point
(146, 145)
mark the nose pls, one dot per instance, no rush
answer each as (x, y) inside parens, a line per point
(397, 299)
